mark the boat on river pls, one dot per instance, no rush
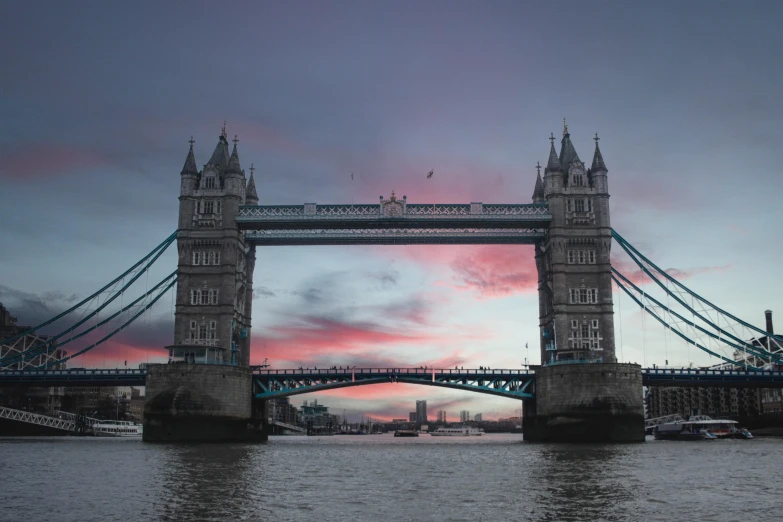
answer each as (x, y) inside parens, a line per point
(457, 432)
(113, 428)
(406, 433)
(701, 427)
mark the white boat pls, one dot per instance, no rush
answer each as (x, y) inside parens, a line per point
(110, 428)
(701, 427)
(457, 432)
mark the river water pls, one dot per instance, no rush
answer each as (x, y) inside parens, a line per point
(495, 477)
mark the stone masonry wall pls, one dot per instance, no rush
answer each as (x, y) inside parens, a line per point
(199, 390)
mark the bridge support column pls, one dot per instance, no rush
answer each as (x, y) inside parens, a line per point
(586, 403)
(200, 403)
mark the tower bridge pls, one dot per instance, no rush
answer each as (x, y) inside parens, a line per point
(209, 391)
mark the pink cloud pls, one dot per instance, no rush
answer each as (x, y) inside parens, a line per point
(632, 272)
(47, 160)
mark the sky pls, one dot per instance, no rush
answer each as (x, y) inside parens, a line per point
(99, 101)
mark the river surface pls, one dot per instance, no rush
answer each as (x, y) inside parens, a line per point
(495, 477)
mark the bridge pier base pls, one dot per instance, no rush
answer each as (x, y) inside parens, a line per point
(586, 403)
(200, 403)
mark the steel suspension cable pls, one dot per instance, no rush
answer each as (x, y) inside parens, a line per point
(25, 355)
(677, 332)
(115, 331)
(683, 303)
(623, 242)
(164, 245)
(617, 273)
(101, 307)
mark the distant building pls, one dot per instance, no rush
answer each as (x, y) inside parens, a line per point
(421, 412)
(316, 415)
(442, 416)
(477, 417)
(464, 416)
(399, 421)
(412, 416)
(281, 410)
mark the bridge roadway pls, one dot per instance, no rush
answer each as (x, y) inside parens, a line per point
(519, 384)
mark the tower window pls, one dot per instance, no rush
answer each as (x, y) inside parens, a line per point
(581, 257)
(578, 180)
(208, 207)
(196, 258)
(209, 182)
(579, 205)
(582, 295)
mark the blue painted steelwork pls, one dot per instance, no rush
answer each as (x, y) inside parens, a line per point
(74, 377)
(394, 221)
(712, 378)
(163, 245)
(514, 384)
(633, 252)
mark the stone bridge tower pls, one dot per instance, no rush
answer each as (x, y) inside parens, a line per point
(215, 267)
(205, 392)
(574, 272)
(582, 393)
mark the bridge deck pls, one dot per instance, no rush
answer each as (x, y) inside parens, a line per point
(294, 381)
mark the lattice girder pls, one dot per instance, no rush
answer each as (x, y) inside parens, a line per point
(515, 384)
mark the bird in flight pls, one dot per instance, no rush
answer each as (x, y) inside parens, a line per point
(429, 175)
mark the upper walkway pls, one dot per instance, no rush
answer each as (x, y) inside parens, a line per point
(394, 221)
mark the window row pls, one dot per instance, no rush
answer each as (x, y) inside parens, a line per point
(581, 257)
(580, 205)
(575, 325)
(582, 295)
(208, 206)
(203, 296)
(202, 332)
(206, 257)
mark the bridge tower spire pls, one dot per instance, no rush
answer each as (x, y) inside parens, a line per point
(215, 267)
(574, 274)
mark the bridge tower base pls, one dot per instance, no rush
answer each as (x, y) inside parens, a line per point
(200, 403)
(586, 403)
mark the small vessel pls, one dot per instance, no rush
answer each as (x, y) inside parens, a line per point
(701, 427)
(457, 432)
(112, 428)
(406, 433)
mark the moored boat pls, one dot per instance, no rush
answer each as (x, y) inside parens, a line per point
(701, 427)
(457, 432)
(111, 428)
(406, 433)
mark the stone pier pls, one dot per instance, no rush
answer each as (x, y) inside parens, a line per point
(200, 403)
(586, 403)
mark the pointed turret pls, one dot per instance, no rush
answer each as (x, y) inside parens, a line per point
(538, 192)
(554, 163)
(598, 159)
(568, 154)
(220, 156)
(190, 162)
(233, 166)
(251, 196)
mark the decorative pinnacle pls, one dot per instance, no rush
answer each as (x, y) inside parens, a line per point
(538, 167)
(235, 140)
(223, 130)
(596, 139)
(565, 127)
(552, 137)
(191, 141)
(252, 168)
